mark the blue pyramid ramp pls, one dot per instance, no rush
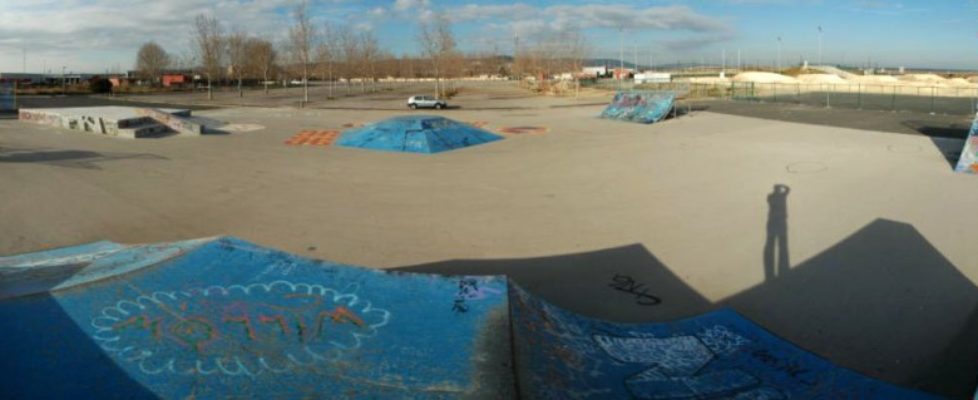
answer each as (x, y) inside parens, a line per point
(718, 355)
(416, 134)
(214, 318)
(969, 155)
(643, 107)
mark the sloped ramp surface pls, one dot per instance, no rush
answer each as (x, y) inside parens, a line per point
(220, 317)
(223, 317)
(416, 134)
(969, 155)
(641, 106)
(718, 355)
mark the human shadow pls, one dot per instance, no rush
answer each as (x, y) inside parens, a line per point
(776, 261)
(882, 301)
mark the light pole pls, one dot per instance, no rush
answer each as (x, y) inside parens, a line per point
(779, 54)
(621, 55)
(64, 85)
(723, 63)
(820, 45)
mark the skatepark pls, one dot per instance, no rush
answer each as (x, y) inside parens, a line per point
(844, 248)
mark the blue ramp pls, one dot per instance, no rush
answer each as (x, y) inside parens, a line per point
(969, 155)
(718, 355)
(416, 134)
(220, 318)
(642, 107)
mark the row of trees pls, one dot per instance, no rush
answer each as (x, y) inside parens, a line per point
(332, 53)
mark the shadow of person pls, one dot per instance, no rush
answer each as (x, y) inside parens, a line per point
(776, 261)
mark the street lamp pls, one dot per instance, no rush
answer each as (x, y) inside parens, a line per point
(621, 55)
(820, 45)
(779, 54)
(64, 85)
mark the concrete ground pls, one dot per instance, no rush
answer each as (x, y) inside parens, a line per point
(866, 260)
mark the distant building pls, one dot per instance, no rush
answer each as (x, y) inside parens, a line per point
(176, 79)
(22, 78)
(653, 77)
(47, 79)
(595, 72)
(622, 73)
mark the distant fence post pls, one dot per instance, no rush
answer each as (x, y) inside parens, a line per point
(859, 95)
(828, 102)
(775, 85)
(893, 100)
(798, 93)
(933, 94)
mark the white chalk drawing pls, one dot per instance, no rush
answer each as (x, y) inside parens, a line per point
(676, 365)
(135, 331)
(722, 341)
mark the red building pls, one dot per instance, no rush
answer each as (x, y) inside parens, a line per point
(175, 80)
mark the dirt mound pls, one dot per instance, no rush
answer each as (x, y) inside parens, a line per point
(929, 78)
(821, 78)
(763, 77)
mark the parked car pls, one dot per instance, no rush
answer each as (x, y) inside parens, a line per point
(426, 102)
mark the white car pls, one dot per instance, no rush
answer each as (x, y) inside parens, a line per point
(426, 102)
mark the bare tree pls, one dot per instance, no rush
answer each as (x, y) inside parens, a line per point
(577, 50)
(210, 43)
(369, 53)
(237, 53)
(301, 36)
(151, 61)
(261, 59)
(437, 43)
(350, 49)
(325, 55)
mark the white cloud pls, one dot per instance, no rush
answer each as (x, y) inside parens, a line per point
(70, 32)
(407, 5)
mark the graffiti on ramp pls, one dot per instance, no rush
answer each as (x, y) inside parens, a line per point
(642, 107)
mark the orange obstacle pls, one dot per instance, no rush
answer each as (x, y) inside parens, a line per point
(313, 138)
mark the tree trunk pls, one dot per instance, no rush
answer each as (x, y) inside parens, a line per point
(210, 91)
(305, 85)
(265, 80)
(240, 90)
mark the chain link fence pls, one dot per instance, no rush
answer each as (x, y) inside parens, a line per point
(918, 98)
(950, 100)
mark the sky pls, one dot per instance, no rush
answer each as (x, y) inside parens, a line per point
(104, 35)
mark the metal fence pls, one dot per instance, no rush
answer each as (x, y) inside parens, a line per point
(950, 100)
(918, 98)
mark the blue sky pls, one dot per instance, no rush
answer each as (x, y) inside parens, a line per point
(99, 35)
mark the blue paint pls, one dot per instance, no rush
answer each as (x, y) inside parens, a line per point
(968, 162)
(8, 99)
(212, 317)
(226, 317)
(643, 107)
(720, 354)
(416, 134)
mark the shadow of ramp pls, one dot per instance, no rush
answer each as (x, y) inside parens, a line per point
(932, 129)
(82, 159)
(883, 301)
(626, 284)
(42, 341)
